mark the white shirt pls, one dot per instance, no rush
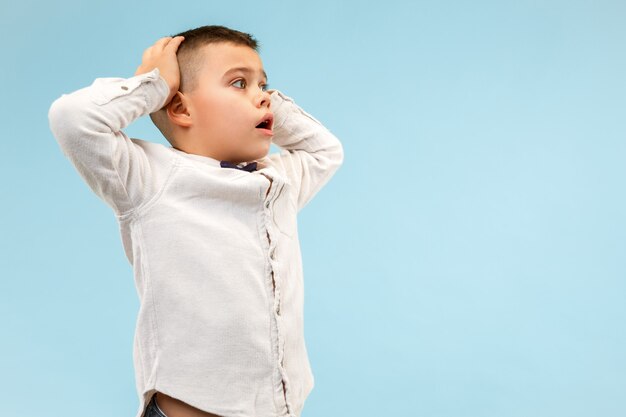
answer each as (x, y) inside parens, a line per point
(216, 261)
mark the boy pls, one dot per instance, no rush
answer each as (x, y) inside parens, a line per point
(209, 224)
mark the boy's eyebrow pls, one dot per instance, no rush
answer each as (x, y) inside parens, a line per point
(244, 69)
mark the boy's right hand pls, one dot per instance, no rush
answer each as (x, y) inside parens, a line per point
(162, 55)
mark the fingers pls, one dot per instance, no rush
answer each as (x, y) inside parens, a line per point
(158, 46)
(174, 43)
(163, 43)
(162, 54)
(168, 41)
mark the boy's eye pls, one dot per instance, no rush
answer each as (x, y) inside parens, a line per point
(243, 82)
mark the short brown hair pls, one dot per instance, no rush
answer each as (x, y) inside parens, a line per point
(190, 61)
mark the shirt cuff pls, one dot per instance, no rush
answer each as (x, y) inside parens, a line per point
(157, 91)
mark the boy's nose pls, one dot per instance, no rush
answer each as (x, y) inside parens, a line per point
(263, 99)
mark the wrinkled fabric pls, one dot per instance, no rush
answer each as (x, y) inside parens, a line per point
(215, 252)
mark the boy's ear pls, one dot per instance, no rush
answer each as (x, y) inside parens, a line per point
(177, 110)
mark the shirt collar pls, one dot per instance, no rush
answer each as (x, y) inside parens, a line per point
(200, 158)
(263, 162)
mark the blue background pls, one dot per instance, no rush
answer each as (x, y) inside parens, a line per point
(468, 259)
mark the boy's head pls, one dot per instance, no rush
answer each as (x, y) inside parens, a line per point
(221, 98)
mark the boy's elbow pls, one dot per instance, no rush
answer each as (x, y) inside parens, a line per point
(59, 116)
(70, 118)
(340, 154)
(337, 153)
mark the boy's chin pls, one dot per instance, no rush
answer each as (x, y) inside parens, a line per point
(262, 154)
(255, 157)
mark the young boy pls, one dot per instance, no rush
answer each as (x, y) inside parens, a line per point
(208, 224)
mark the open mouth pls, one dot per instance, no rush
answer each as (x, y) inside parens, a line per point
(266, 123)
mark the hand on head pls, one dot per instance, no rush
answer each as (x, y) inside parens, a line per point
(162, 55)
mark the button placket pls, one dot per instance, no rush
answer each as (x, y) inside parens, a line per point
(272, 193)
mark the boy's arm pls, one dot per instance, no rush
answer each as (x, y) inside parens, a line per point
(87, 125)
(310, 152)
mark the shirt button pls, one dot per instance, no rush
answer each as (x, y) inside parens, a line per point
(272, 253)
(267, 204)
(124, 87)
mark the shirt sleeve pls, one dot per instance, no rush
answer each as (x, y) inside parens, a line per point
(310, 154)
(87, 125)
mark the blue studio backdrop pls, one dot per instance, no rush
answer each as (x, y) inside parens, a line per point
(468, 259)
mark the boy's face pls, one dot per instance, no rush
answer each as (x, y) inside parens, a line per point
(228, 103)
